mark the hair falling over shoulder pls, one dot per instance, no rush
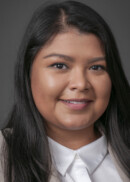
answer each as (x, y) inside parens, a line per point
(26, 151)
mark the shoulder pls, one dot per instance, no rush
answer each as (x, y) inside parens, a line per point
(54, 177)
(1, 137)
(118, 165)
(1, 169)
(1, 141)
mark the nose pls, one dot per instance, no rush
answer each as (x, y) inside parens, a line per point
(79, 80)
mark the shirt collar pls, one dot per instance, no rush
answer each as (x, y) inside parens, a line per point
(91, 154)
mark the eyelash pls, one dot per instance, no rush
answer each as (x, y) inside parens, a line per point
(98, 66)
(58, 64)
(95, 67)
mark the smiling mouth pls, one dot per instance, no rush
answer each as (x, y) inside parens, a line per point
(77, 104)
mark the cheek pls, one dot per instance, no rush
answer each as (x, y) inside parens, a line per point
(45, 87)
(102, 87)
(42, 82)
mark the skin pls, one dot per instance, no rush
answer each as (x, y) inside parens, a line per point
(82, 75)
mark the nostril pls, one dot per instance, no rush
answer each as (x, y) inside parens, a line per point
(79, 87)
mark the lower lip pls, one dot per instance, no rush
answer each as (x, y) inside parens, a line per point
(76, 106)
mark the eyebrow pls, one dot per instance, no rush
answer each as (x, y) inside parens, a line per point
(68, 58)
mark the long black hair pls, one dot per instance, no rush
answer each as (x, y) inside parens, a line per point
(26, 151)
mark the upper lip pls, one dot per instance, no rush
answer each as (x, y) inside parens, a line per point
(77, 100)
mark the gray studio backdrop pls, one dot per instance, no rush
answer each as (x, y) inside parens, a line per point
(14, 17)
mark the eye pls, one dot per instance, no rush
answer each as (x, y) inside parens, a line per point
(97, 67)
(59, 66)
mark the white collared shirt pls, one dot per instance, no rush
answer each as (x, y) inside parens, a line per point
(95, 156)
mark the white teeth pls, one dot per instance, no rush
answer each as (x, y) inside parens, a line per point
(75, 102)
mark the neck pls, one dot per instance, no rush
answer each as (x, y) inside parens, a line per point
(73, 139)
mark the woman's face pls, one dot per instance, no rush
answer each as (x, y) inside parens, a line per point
(70, 85)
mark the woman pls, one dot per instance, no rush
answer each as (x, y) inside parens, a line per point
(71, 107)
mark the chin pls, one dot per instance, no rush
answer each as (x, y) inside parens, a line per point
(74, 127)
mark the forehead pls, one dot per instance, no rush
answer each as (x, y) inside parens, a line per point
(72, 42)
